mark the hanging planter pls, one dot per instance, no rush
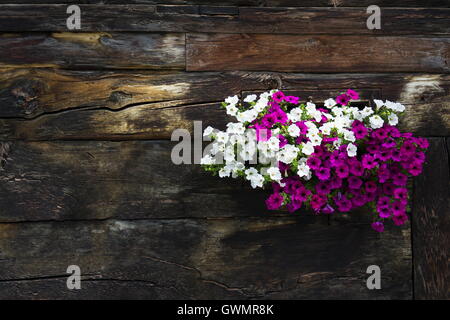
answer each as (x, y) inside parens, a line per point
(329, 159)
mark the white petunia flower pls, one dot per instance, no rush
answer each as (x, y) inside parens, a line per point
(273, 144)
(208, 131)
(366, 112)
(329, 103)
(393, 119)
(274, 173)
(294, 130)
(232, 100)
(303, 170)
(257, 181)
(351, 150)
(222, 137)
(378, 103)
(349, 136)
(295, 114)
(376, 121)
(287, 154)
(224, 172)
(307, 148)
(250, 98)
(207, 160)
(232, 110)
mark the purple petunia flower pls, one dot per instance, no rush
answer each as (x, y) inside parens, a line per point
(384, 212)
(323, 173)
(278, 96)
(370, 186)
(399, 179)
(314, 163)
(378, 226)
(274, 201)
(360, 131)
(291, 99)
(343, 99)
(400, 220)
(401, 193)
(352, 94)
(342, 171)
(368, 162)
(354, 182)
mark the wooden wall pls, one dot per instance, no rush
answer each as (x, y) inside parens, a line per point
(85, 125)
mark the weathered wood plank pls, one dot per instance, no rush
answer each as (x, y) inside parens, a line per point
(431, 224)
(272, 258)
(160, 18)
(93, 50)
(258, 3)
(98, 180)
(31, 92)
(159, 120)
(257, 52)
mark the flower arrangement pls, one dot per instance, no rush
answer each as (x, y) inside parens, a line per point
(331, 159)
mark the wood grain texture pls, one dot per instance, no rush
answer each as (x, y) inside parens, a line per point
(294, 53)
(258, 3)
(161, 18)
(28, 93)
(431, 224)
(242, 258)
(124, 180)
(159, 120)
(93, 50)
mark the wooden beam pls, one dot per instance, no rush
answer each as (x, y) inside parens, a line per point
(93, 50)
(241, 258)
(431, 224)
(294, 53)
(194, 18)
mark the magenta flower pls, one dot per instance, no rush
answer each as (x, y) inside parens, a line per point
(323, 173)
(398, 208)
(278, 96)
(378, 226)
(368, 162)
(401, 193)
(342, 171)
(400, 220)
(318, 201)
(274, 201)
(314, 163)
(323, 188)
(370, 186)
(292, 99)
(384, 212)
(343, 99)
(354, 182)
(353, 94)
(360, 131)
(400, 179)
(283, 140)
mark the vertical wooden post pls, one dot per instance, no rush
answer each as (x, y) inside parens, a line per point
(431, 224)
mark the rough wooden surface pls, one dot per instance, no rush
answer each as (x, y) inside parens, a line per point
(259, 3)
(158, 18)
(238, 258)
(431, 224)
(140, 226)
(215, 52)
(93, 50)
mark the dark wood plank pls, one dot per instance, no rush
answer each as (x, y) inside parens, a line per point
(161, 18)
(431, 224)
(98, 180)
(258, 3)
(215, 52)
(93, 50)
(245, 258)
